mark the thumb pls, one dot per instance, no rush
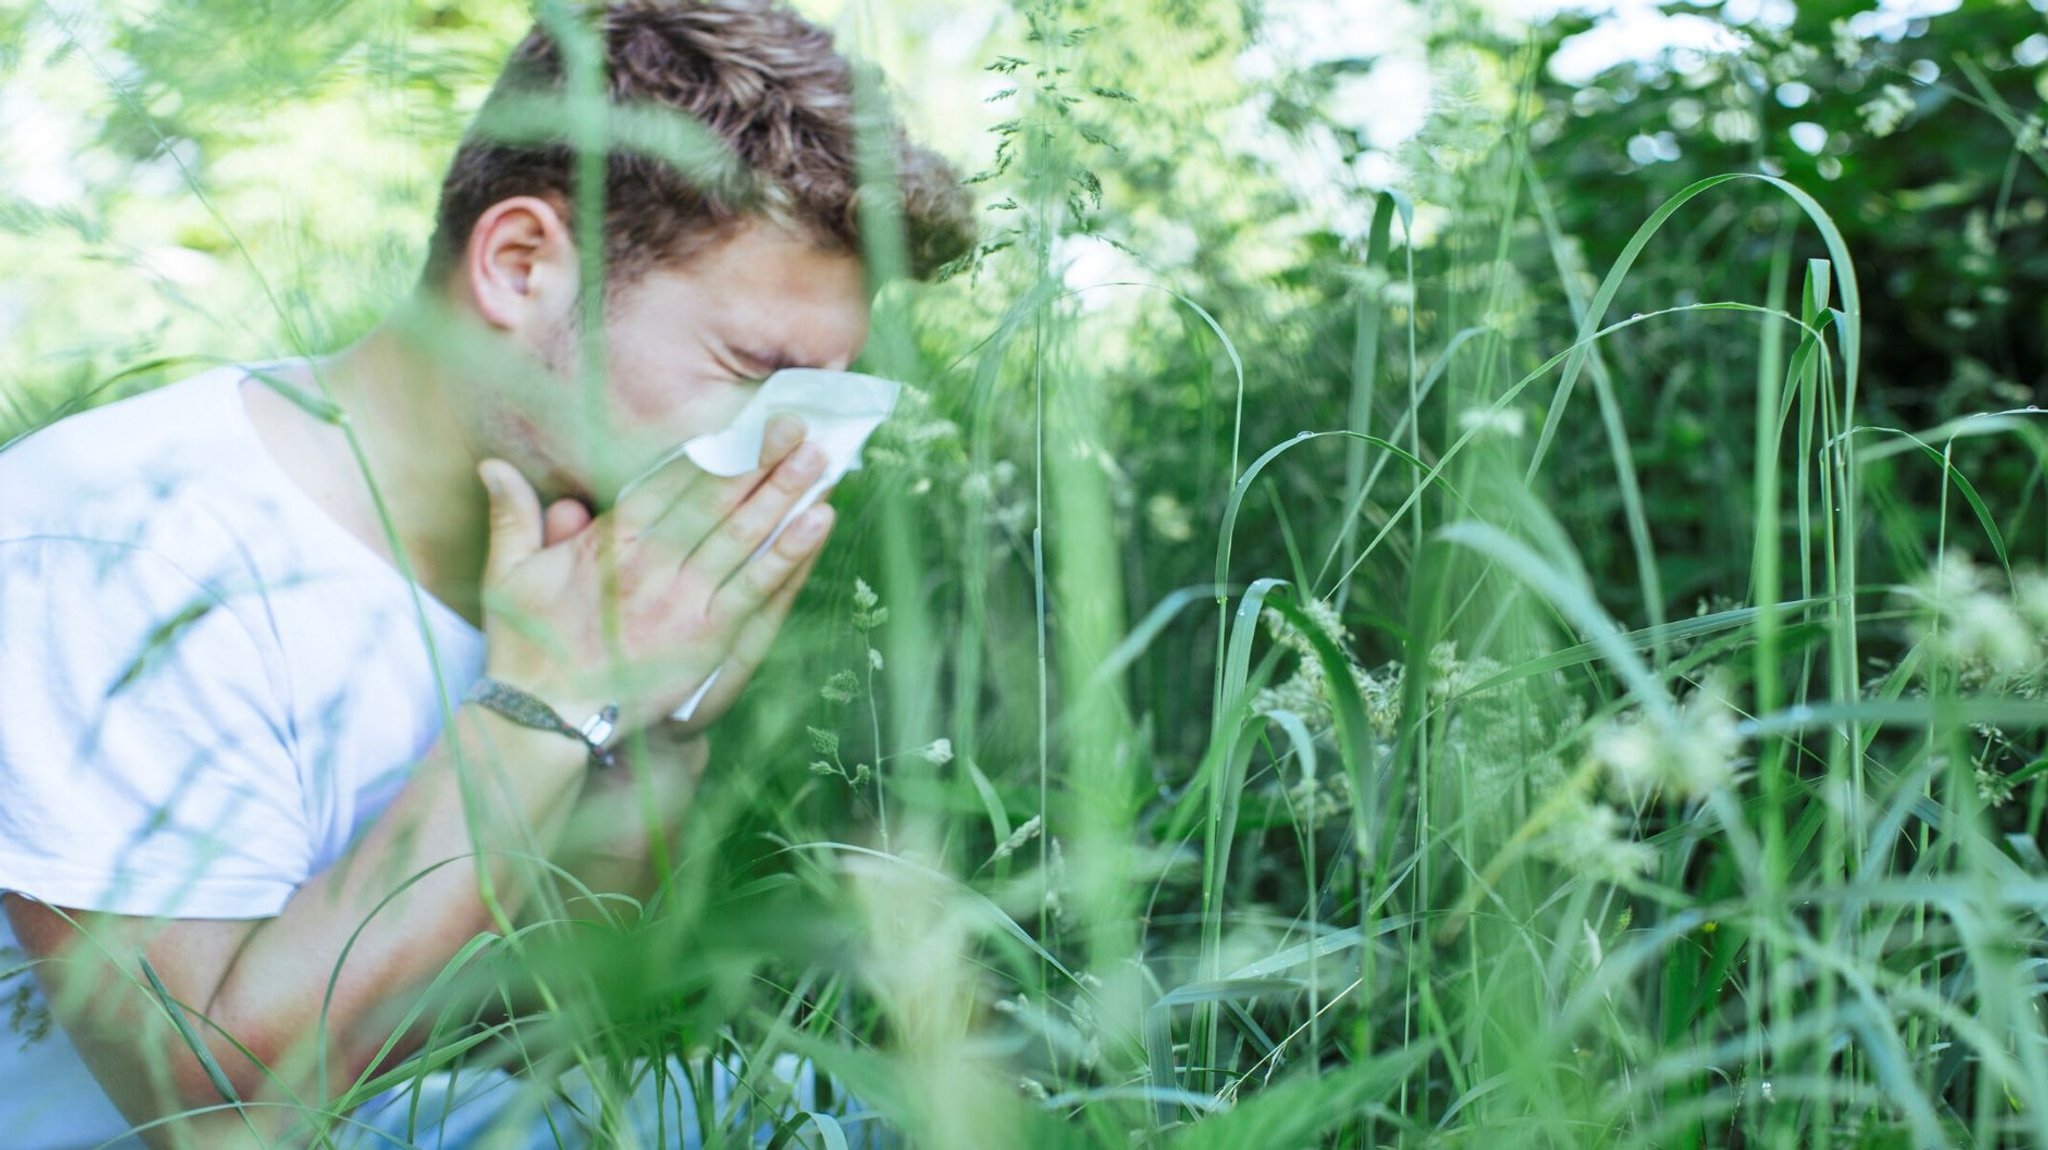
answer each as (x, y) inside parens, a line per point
(515, 517)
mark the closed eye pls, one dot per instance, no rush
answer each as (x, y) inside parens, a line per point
(766, 363)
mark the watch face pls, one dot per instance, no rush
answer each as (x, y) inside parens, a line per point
(598, 728)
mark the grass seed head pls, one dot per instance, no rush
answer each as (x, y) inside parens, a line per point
(1698, 753)
(1592, 839)
(1966, 621)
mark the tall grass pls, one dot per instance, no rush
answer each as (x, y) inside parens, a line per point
(1372, 814)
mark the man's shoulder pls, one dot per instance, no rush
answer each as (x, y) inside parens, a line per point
(162, 472)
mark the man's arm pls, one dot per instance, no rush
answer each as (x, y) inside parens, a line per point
(624, 827)
(257, 990)
(273, 1001)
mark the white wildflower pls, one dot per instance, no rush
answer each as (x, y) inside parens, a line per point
(1792, 63)
(1452, 676)
(842, 687)
(1708, 738)
(1697, 754)
(1993, 787)
(1321, 613)
(1591, 839)
(1848, 45)
(1883, 115)
(1300, 695)
(868, 613)
(1629, 751)
(2030, 134)
(939, 753)
(1965, 619)
(1382, 696)
(1987, 627)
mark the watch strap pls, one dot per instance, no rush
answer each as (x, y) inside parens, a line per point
(527, 710)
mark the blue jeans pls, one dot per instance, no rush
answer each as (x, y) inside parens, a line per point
(493, 1110)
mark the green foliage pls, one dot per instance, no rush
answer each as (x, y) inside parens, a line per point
(1560, 711)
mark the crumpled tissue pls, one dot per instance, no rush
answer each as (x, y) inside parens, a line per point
(840, 410)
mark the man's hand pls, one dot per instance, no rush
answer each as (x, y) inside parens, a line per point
(607, 845)
(773, 580)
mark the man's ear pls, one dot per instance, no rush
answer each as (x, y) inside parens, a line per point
(521, 266)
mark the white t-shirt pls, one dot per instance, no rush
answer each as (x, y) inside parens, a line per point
(207, 688)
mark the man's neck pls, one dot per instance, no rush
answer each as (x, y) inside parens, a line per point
(402, 402)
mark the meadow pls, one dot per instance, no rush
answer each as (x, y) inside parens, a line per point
(1522, 629)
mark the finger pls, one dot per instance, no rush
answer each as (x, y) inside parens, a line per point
(515, 524)
(751, 648)
(689, 522)
(565, 519)
(677, 490)
(645, 500)
(733, 541)
(755, 585)
(760, 631)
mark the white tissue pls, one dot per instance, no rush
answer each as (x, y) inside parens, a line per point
(840, 410)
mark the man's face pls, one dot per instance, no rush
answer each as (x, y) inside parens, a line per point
(686, 346)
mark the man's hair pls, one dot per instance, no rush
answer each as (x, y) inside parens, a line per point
(763, 81)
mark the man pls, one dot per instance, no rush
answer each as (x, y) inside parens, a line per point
(294, 659)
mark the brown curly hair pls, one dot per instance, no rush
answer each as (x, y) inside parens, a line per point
(779, 105)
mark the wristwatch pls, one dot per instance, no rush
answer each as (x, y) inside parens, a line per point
(595, 732)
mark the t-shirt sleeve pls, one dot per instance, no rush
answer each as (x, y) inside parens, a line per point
(146, 762)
